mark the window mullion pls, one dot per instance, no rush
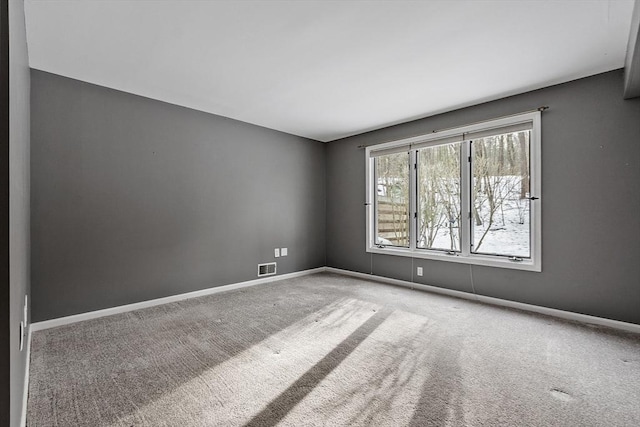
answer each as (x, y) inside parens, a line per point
(373, 208)
(465, 203)
(413, 196)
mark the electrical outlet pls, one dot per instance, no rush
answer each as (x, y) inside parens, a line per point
(276, 253)
(419, 271)
(284, 251)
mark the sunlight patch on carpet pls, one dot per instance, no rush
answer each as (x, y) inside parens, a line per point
(234, 391)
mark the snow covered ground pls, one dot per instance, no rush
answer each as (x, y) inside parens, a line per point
(508, 237)
(509, 234)
(503, 238)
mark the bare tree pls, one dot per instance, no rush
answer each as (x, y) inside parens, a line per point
(439, 194)
(493, 181)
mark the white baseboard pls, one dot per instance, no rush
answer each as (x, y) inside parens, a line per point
(46, 324)
(25, 393)
(568, 315)
(404, 283)
(583, 318)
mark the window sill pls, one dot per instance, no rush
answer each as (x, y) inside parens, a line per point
(488, 261)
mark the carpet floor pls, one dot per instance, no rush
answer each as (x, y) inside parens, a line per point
(331, 350)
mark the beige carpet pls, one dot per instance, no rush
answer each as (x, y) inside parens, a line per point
(328, 350)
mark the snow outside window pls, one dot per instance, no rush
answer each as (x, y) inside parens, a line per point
(470, 194)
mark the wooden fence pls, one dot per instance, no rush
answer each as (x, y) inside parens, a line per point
(393, 222)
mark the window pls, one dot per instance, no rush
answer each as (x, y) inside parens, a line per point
(392, 199)
(470, 194)
(438, 198)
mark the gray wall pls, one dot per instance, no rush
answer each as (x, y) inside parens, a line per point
(135, 199)
(19, 244)
(591, 201)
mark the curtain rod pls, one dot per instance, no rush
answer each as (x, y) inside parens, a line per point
(541, 109)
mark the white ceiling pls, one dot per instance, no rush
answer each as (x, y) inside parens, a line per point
(327, 69)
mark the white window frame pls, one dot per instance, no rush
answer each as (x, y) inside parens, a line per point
(534, 263)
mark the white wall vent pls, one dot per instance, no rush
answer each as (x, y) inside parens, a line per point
(268, 269)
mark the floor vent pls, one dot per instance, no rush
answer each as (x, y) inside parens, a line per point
(267, 269)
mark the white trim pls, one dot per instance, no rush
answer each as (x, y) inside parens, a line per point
(25, 392)
(46, 324)
(568, 315)
(535, 189)
(404, 283)
(369, 199)
(583, 318)
(465, 256)
(473, 259)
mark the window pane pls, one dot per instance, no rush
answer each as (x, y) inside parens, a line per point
(500, 199)
(439, 197)
(392, 199)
